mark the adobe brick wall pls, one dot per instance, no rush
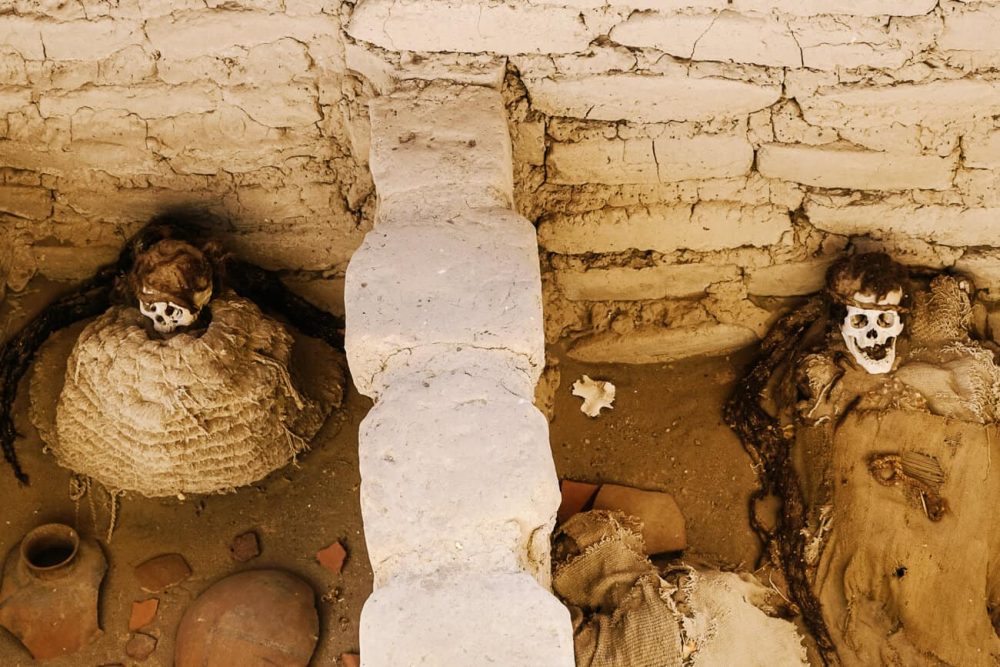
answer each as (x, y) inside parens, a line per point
(110, 112)
(698, 162)
(652, 136)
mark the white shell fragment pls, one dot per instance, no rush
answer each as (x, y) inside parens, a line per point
(596, 394)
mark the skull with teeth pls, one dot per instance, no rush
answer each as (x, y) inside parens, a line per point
(172, 281)
(869, 289)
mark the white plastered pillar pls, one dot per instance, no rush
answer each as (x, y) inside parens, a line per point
(444, 332)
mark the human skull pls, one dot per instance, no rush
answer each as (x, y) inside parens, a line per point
(871, 333)
(167, 315)
(172, 281)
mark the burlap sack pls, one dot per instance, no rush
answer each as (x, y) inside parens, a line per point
(909, 572)
(621, 617)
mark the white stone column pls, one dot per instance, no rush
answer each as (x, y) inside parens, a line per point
(444, 331)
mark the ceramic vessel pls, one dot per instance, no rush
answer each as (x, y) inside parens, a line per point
(50, 589)
(259, 618)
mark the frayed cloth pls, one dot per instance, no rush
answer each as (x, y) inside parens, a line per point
(621, 610)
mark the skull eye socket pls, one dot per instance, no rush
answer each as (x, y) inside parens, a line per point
(859, 320)
(169, 311)
(886, 319)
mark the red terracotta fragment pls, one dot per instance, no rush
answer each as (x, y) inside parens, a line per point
(161, 572)
(332, 557)
(575, 496)
(350, 660)
(143, 613)
(663, 526)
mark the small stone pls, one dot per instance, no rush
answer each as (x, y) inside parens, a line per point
(350, 660)
(161, 572)
(140, 646)
(245, 547)
(332, 557)
(143, 613)
(663, 527)
(575, 496)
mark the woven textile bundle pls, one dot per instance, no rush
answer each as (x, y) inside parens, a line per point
(958, 376)
(187, 414)
(621, 617)
(941, 314)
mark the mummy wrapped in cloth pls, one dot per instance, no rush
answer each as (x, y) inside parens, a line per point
(180, 382)
(871, 415)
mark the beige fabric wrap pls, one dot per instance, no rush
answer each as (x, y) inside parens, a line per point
(186, 414)
(620, 614)
(898, 588)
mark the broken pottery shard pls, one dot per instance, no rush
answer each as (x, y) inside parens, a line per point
(596, 394)
(575, 496)
(332, 557)
(662, 522)
(143, 613)
(350, 660)
(140, 646)
(161, 572)
(244, 547)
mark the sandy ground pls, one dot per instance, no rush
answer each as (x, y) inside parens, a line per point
(665, 433)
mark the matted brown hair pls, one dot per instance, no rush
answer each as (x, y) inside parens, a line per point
(872, 273)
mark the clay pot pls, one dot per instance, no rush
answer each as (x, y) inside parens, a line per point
(51, 584)
(260, 618)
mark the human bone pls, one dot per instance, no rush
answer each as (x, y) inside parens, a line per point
(886, 473)
(167, 315)
(871, 333)
(596, 394)
(172, 282)
(870, 289)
